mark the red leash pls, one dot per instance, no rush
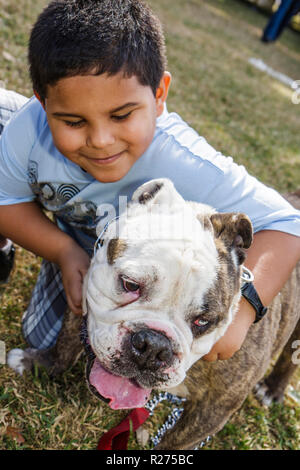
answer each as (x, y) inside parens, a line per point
(117, 437)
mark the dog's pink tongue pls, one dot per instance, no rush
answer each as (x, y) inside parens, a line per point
(122, 392)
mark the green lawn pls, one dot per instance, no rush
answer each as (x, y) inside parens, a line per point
(243, 113)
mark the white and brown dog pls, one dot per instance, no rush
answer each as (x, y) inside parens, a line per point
(161, 291)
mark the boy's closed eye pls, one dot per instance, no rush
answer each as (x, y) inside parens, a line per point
(121, 117)
(82, 121)
(74, 123)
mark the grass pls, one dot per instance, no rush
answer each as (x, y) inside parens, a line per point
(243, 113)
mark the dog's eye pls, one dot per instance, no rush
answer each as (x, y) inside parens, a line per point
(201, 323)
(200, 326)
(128, 285)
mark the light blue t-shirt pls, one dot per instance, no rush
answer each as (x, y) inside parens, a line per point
(32, 168)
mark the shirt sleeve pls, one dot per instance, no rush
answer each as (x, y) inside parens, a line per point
(238, 191)
(202, 174)
(16, 143)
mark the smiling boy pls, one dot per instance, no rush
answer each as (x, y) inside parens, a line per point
(96, 129)
(107, 139)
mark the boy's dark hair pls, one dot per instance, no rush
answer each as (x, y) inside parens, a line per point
(78, 37)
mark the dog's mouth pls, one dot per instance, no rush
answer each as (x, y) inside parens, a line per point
(119, 392)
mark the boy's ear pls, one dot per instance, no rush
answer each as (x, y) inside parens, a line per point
(162, 92)
(39, 98)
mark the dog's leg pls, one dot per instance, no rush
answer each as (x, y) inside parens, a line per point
(272, 388)
(57, 359)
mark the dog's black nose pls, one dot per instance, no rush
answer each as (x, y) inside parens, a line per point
(151, 349)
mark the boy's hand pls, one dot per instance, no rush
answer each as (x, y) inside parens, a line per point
(271, 258)
(74, 263)
(235, 335)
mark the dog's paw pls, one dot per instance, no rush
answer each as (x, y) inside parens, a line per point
(15, 360)
(266, 396)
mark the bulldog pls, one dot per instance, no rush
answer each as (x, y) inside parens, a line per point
(162, 288)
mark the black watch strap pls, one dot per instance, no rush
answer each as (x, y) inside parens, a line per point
(249, 292)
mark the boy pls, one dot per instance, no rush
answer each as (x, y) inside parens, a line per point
(97, 128)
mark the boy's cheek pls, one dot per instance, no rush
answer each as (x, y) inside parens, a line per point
(66, 141)
(140, 133)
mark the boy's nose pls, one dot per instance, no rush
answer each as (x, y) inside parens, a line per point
(100, 138)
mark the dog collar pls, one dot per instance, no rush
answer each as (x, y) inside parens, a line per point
(99, 242)
(249, 292)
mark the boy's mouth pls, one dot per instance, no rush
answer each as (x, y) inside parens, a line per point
(105, 161)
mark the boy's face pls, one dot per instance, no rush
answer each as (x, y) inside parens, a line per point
(103, 123)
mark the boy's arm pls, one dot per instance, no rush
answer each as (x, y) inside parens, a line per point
(27, 225)
(271, 257)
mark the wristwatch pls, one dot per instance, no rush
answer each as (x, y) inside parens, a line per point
(249, 292)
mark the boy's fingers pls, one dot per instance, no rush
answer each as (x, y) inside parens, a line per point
(210, 357)
(76, 308)
(77, 311)
(74, 296)
(73, 274)
(77, 301)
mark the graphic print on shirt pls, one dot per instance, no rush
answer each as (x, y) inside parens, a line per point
(61, 200)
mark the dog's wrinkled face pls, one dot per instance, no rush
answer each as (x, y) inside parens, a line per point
(161, 293)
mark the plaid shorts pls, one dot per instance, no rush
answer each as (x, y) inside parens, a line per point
(42, 320)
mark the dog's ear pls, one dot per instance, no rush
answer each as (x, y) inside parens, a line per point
(235, 230)
(157, 191)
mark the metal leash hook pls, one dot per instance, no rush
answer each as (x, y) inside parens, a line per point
(247, 275)
(171, 419)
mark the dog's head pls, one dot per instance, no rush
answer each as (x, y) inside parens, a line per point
(160, 293)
